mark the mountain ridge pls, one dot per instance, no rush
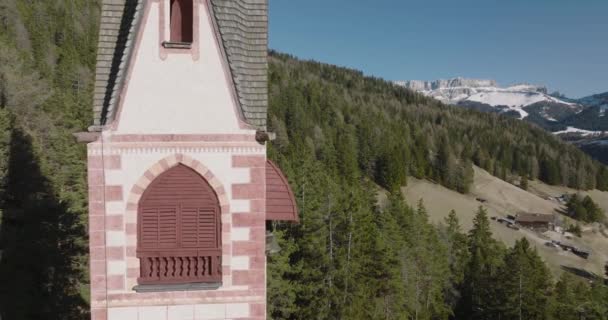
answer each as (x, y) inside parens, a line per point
(554, 112)
(512, 100)
(575, 120)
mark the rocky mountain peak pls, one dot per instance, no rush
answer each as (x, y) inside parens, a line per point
(420, 85)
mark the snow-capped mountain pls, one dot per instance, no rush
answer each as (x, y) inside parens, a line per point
(597, 100)
(583, 122)
(486, 95)
(595, 115)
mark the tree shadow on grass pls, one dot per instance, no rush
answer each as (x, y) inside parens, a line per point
(43, 245)
(561, 210)
(582, 273)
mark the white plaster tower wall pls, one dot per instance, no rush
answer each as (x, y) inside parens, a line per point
(178, 92)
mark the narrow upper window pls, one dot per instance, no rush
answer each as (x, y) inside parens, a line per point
(181, 21)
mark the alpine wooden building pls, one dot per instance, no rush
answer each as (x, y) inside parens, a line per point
(536, 221)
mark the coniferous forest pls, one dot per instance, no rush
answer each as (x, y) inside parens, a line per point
(341, 137)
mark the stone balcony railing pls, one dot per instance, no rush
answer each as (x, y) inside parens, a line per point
(180, 266)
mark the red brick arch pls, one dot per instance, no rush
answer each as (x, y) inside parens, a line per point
(167, 163)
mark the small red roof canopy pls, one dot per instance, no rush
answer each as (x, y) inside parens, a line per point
(280, 202)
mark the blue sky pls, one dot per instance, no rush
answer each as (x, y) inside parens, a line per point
(562, 44)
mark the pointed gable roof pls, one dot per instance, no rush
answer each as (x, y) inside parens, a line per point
(241, 25)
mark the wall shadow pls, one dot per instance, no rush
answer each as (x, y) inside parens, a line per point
(44, 245)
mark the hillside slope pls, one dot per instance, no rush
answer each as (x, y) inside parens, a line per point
(504, 199)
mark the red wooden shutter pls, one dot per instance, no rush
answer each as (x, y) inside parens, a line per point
(189, 226)
(179, 230)
(167, 227)
(199, 227)
(148, 237)
(159, 227)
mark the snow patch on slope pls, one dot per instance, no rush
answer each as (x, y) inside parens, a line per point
(513, 100)
(582, 132)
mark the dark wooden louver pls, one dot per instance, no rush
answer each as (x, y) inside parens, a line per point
(280, 202)
(179, 234)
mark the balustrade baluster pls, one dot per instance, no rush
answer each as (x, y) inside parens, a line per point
(201, 267)
(171, 267)
(178, 267)
(154, 263)
(194, 268)
(186, 266)
(219, 265)
(163, 268)
(192, 273)
(145, 270)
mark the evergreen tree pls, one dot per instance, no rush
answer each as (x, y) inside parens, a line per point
(47, 54)
(549, 171)
(6, 128)
(281, 293)
(524, 284)
(523, 182)
(565, 298)
(584, 210)
(456, 244)
(602, 179)
(479, 297)
(389, 293)
(596, 305)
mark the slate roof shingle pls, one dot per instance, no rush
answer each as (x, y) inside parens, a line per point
(242, 26)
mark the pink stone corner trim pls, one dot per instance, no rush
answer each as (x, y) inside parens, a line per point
(99, 314)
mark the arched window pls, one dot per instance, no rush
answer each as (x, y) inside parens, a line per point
(181, 21)
(179, 233)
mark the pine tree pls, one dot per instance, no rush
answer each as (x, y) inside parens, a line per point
(485, 257)
(524, 284)
(523, 182)
(602, 179)
(281, 293)
(565, 299)
(6, 128)
(596, 306)
(385, 264)
(456, 244)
